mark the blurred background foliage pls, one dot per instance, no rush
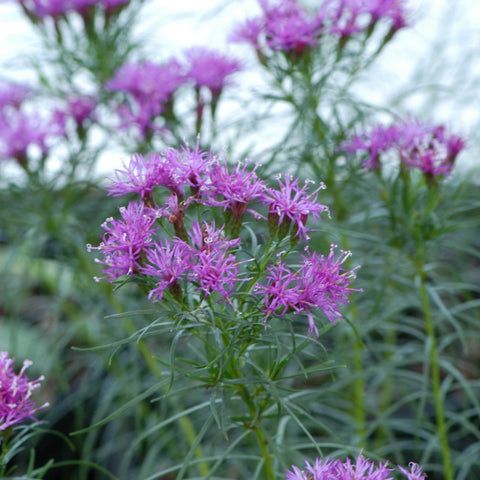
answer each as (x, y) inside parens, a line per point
(98, 360)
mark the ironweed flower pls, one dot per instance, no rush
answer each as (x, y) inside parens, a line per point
(212, 258)
(167, 262)
(125, 241)
(371, 145)
(57, 8)
(284, 26)
(148, 82)
(430, 149)
(80, 109)
(291, 203)
(215, 271)
(232, 189)
(13, 95)
(360, 469)
(142, 174)
(172, 169)
(207, 238)
(347, 17)
(287, 26)
(16, 403)
(20, 131)
(149, 89)
(320, 282)
(209, 68)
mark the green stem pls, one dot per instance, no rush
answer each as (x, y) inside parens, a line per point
(263, 444)
(261, 440)
(359, 407)
(359, 392)
(436, 380)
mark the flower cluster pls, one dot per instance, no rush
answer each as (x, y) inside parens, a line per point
(417, 145)
(198, 256)
(21, 130)
(80, 110)
(149, 87)
(16, 403)
(287, 26)
(361, 469)
(55, 9)
(319, 282)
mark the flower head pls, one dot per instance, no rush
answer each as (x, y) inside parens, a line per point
(13, 95)
(142, 174)
(371, 145)
(320, 282)
(232, 189)
(167, 262)
(292, 203)
(78, 108)
(16, 403)
(20, 131)
(148, 82)
(285, 26)
(360, 469)
(209, 68)
(125, 240)
(430, 149)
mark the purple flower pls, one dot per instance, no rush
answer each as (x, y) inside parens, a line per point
(415, 472)
(416, 144)
(394, 10)
(13, 95)
(361, 469)
(125, 241)
(232, 190)
(142, 174)
(57, 8)
(190, 166)
(285, 26)
(282, 290)
(320, 282)
(211, 69)
(207, 238)
(430, 149)
(148, 83)
(372, 145)
(216, 271)
(292, 203)
(149, 89)
(213, 267)
(347, 17)
(16, 403)
(78, 108)
(167, 262)
(20, 131)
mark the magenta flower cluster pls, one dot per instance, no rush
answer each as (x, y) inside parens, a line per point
(149, 87)
(57, 8)
(26, 133)
(360, 469)
(286, 25)
(21, 130)
(161, 247)
(417, 145)
(16, 402)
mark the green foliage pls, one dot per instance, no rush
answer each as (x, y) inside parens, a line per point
(203, 390)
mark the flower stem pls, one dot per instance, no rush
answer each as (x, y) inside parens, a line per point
(257, 427)
(436, 380)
